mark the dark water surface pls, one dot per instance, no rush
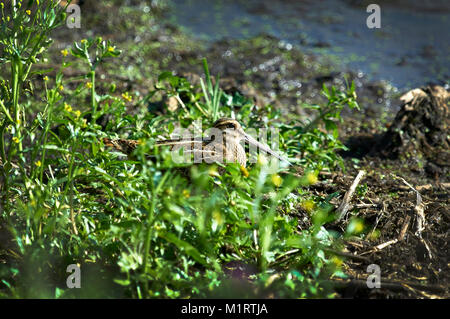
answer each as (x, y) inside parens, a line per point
(411, 48)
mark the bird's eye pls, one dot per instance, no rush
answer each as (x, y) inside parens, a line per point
(231, 125)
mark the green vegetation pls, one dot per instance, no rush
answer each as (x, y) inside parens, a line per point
(142, 227)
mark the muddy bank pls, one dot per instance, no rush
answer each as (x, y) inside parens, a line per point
(408, 50)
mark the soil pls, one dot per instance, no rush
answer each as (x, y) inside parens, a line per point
(416, 264)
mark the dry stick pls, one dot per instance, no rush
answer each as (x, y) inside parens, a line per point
(419, 209)
(388, 284)
(427, 187)
(405, 226)
(347, 255)
(345, 205)
(386, 244)
(366, 205)
(379, 216)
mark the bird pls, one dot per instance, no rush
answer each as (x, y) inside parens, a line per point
(223, 145)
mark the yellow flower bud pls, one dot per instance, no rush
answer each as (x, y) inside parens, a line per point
(67, 107)
(277, 180)
(127, 96)
(308, 205)
(311, 178)
(244, 171)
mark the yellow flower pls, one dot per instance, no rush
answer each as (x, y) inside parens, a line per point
(38, 163)
(28, 12)
(169, 191)
(355, 226)
(127, 96)
(277, 180)
(308, 205)
(111, 49)
(67, 107)
(83, 41)
(186, 193)
(336, 261)
(60, 87)
(15, 139)
(89, 85)
(77, 113)
(83, 123)
(311, 178)
(64, 52)
(46, 78)
(244, 171)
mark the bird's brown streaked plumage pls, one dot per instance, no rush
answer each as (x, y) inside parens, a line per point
(223, 145)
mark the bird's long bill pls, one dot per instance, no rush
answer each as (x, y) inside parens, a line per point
(264, 148)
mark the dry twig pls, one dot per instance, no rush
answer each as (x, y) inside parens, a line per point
(345, 205)
(419, 209)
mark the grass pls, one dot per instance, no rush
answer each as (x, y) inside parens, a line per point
(148, 228)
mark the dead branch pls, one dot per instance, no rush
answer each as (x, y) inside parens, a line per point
(345, 205)
(386, 244)
(419, 209)
(388, 284)
(427, 187)
(347, 255)
(405, 226)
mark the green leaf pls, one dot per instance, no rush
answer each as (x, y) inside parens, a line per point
(184, 246)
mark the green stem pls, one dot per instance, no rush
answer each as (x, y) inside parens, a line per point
(150, 220)
(15, 92)
(5, 168)
(69, 187)
(93, 101)
(44, 142)
(5, 110)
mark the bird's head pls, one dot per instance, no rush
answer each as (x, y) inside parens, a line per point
(231, 127)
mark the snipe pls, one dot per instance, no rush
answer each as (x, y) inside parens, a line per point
(223, 145)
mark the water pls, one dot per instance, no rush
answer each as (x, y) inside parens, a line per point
(410, 49)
